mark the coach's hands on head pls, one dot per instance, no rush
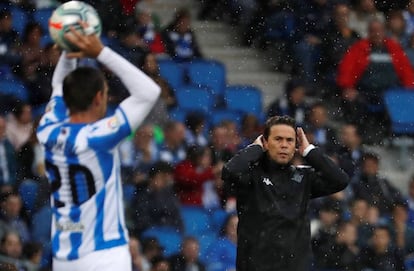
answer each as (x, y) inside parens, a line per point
(302, 140)
(88, 45)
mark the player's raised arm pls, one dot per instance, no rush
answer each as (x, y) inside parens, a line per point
(144, 91)
(63, 68)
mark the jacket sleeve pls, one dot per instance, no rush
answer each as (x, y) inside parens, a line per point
(401, 64)
(327, 178)
(234, 171)
(351, 66)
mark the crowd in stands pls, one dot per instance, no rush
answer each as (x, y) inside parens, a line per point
(180, 214)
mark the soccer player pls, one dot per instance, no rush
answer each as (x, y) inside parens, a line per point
(88, 227)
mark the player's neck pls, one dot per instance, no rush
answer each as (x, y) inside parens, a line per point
(83, 117)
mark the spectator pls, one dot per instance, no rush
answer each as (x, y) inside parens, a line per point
(411, 201)
(292, 103)
(313, 20)
(8, 161)
(11, 206)
(250, 129)
(31, 51)
(173, 149)
(371, 66)
(380, 255)
(409, 50)
(318, 129)
(160, 264)
(402, 234)
(30, 158)
(20, 125)
(32, 252)
(148, 27)
(40, 88)
(359, 218)
(152, 69)
(136, 254)
(222, 253)
(180, 41)
(196, 126)
(11, 249)
(408, 14)
(350, 151)
(9, 40)
(336, 41)
(362, 13)
(375, 189)
(343, 252)
(324, 236)
(188, 259)
(131, 45)
(233, 135)
(396, 28)
(154, 203)
(218, 145)
(191, 174)
(139, 154)
(151, 249)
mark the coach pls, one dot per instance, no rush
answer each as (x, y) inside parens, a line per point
(273, 196)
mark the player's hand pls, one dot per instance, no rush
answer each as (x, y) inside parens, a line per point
(88, 45)
(303, 142)
(259, 141)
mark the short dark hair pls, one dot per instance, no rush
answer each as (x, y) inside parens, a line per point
(80, 87)
(278, 120)
(160, 167)
(370, 156)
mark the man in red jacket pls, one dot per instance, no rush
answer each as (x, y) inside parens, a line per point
(370, 67)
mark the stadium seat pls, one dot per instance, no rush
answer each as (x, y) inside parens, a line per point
(20, 19)
(208, 73)
(191, 98)
(178, 114)
(205, 241)
(128, 191)
(217, 116)
(399, 104)
(42, 16)
(196, 220)
(168, 237)
(172, 72)
(40, 230)
(15, 88)
(246, 99)
(218, 218)
(28, 191)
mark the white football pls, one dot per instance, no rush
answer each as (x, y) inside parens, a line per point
(69, 14)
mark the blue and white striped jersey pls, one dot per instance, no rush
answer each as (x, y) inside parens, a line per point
(83, 163)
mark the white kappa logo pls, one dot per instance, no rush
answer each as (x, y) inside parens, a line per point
(267, 181)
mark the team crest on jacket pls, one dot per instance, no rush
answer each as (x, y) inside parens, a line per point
(297, 177)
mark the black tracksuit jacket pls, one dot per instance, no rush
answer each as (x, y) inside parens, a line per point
(272, 204)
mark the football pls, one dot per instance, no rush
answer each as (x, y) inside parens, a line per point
(69, 14)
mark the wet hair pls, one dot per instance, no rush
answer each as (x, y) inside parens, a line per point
(80, 87)
(194, 120)
(194, 152)
(278, 120)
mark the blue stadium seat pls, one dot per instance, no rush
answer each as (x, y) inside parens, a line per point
(42, 16)
(178, 114)
(28, 191)
(40, 230)
(217, 116)
(191, 98)
(399, 104)
(246, 99)
(196, 220)
(169, 238)
(128, 191)
(218, 217)
(205, 241)
(208, 73)
(15, 88)
(172, 72)
(20, 19)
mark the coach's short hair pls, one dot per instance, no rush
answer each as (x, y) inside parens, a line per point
(277, 120)
(80, 87)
